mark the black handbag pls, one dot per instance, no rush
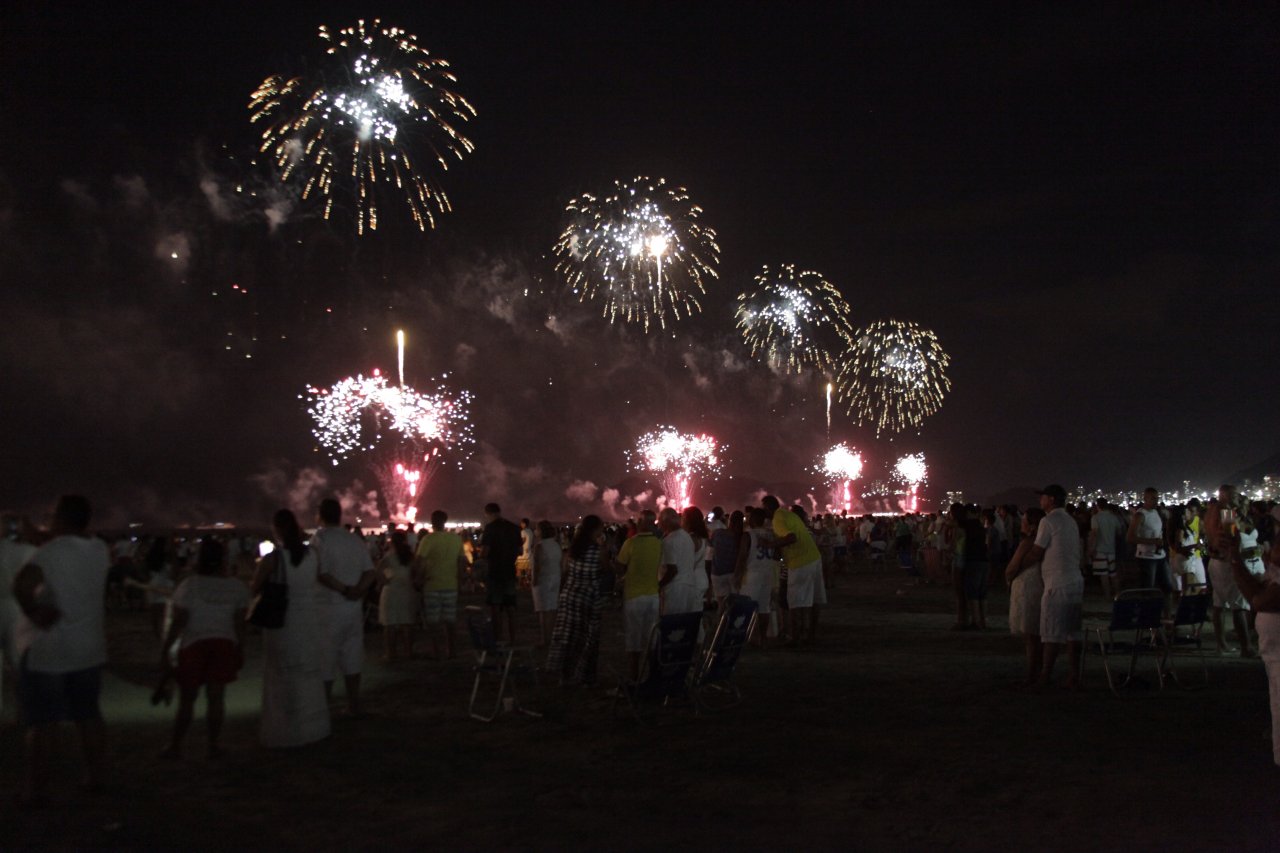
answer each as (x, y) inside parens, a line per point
(268, 609)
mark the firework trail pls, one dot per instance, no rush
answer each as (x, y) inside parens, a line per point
(640, 250)
(894, 376)
(677, 459)
(368, 123)
(794, 321)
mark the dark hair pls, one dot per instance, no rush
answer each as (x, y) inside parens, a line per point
(400, 543)
(210, 556)
(735, 523)
(546, 530)
(493, 509)
(438, 518)
(286, 524)
(769, 502)
(694, 524)
(330, 511)
(585, 538)
(757, 516)
(74, 512)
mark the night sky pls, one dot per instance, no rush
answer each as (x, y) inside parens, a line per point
(1081, 203)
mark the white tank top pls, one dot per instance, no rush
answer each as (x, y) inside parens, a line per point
(761, 556)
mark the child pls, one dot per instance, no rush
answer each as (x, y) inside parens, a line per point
(208, 618)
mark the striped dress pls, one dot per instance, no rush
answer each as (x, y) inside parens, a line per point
(575, 641)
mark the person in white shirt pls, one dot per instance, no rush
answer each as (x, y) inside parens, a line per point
(61, 643)
(1057, 549)
(1147, 534)
(681, 592)
(346, 573)
(208, 624)
(15, 551)
(1104, 527)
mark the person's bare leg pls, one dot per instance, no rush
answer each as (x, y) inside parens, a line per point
(352, 683)
(215, 711)
(1242, 630)
(182, 721)
(40, 740)
(1215, 617)
(1050, 657)
(93, 742)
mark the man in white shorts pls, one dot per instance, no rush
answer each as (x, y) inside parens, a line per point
(1221, 536)
(639, 562)
(1058, 551)
(805, 589)
(346, 573)
(1104, 528)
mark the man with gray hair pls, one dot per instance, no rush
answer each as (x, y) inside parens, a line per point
(639, 562)
(1057, 549)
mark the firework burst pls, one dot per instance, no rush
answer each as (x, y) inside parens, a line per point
(640, 250)
(794, 320)
(841, 465)
(360, 123)
(677, 459)
(404, 433)
(894, 376)
(912, 473)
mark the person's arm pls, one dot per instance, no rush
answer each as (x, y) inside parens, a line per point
(358, 590)
(26, 585)
(669, 572)
(1131, 535)
(1261, 594)
(181, 617)
(1091, 543)
(1016, 564)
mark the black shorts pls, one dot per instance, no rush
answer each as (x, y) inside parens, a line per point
(500, 591)
(52, 697)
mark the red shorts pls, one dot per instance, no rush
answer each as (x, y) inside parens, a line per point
(213, 661)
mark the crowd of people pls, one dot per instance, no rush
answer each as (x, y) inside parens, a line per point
(332, 581)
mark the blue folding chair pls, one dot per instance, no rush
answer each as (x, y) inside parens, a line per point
(1140, 611)
(498, 662)
(713, 686)
(1192, 613)
(668, 660)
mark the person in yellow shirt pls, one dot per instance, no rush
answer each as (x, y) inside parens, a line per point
(638, 562)
(436, 566)
(800, 554)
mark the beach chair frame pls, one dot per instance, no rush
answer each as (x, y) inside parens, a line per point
(500, 663)
(665, 669)
(1140, 611)
(713, 687)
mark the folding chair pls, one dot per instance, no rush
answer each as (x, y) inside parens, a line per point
(714, 676)
(1140, 611)
(497, 661)
(664, 672)
(1193, 610)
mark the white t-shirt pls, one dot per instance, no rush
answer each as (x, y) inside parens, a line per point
(13, 556)
(1059, 536)
(212, 603)
(677, 550)
(344, 558)
(1106, 527)
(1150, 526)
(75, 581)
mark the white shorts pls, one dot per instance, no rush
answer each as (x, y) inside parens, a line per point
(758, 586)
(803, 583)
(1225, 592)
(639, 615)
(721, 585)
(344, 637)
(1061, 616)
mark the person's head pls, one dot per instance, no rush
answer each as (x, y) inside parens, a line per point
(400, 544)
(799, 511)
(770, 504)
(1227, 493)
(647, 521)
(525, 524)
(737, 522)
(546, 530)
(1052, 497)
(590, 532)
(492, 511)
(330, 512)
(957, 513)
(717, 513)
(438, 520)
(1150, 497)
(988, 517)
(693, 523)
(289, 533)
(71, 514)
(210, 557)
(1031, 520)
(756, 518)
(1193, 506)
(1101, 504)
(668, 519)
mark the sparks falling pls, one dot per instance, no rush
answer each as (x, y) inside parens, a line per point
(639, 250)
(794, 321)
(841, 465)
(912, 473)
(366, 123)
(677, 459)
(894, 376)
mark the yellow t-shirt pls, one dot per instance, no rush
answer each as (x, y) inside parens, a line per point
(438, 554)
(803, 551)
(642, 555)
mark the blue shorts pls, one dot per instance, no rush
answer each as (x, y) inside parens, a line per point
(52, 697)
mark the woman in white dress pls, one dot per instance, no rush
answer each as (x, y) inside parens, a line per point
(1026, 588)
(397, 601)
(545, 580)
(294, 709)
